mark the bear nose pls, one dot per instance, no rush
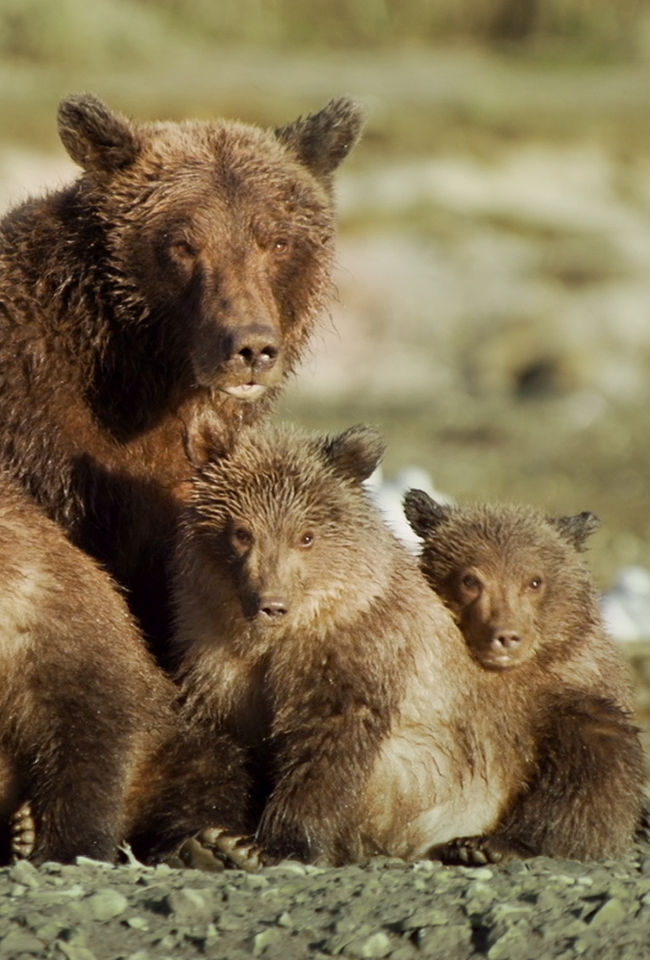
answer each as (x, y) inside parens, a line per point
(506, 640)
(256, 345)
(273, 607)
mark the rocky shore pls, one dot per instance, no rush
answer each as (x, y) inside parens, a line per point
(525, 910)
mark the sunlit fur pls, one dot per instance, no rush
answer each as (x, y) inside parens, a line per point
(559, 688)
(360, 701)
(185, 267)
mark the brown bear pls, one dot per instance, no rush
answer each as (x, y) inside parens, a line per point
(526, 605)
(308, 631)
(186, 266)
(89, 734)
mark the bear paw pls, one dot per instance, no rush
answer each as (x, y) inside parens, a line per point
(218, 849)
(23, 833)
(474, 851)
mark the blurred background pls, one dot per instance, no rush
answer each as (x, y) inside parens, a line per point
(493, 313)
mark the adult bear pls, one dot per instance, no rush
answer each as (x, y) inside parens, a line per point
(185, 267)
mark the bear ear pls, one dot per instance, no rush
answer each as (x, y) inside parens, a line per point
(322, 140)
(422, 512)
(356, 452)
(95, 138)
(576, 529)
(203, 438)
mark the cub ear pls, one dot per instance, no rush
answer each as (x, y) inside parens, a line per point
(203, 438)
(422, 512)
(95, 138)
(576, 529)
(322, 140)
(356, 452)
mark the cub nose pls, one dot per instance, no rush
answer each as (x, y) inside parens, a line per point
(506, 640)
(273, 607)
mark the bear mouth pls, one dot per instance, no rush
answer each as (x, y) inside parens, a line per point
(248, 392)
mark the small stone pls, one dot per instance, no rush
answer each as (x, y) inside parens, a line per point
(26, 873)
(511, 912)
(425, 917)
(106, 904)
(255, 882)
(20, 941)
(427, 866)
(377, 945)
(479, 873)
(188, 905)
(446, 941)
(513, 945)
(74, 951)
(266, 939)
(48, 931)
(138, 923)
(284, 920)
(76, 890)
(611, 913)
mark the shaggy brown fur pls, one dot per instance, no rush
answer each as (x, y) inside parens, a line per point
(526, 605)
(186, 266)
(88, 732)
(305, 628)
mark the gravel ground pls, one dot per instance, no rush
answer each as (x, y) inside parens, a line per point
(536, 909)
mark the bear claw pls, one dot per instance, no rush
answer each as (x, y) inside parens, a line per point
(218, 849)
(23, 833)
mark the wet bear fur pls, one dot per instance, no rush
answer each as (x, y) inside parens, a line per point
(89, 734)
(186, 266)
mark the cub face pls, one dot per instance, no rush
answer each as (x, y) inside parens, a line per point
(285, 520)
(502, 571)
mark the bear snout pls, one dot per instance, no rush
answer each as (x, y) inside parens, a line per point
(267, 609)
(273, 608)
(501, 649)
(248, 361)
(505, 640)
(254, 347)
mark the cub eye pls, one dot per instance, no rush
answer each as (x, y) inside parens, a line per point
(470, 581)
(535, 583)
(306, 541)
(280, 246)
(242, 537)
(182, 250)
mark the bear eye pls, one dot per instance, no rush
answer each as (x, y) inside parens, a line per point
(280, 246)
(470, 581)
(182, 250)
(535, 583)
(306, 540)
(242, 537)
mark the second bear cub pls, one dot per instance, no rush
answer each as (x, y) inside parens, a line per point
(526, 605)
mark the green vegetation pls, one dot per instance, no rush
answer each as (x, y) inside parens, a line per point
(38, 30)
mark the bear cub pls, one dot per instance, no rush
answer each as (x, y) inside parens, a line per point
(526, 605)
(307, 631)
